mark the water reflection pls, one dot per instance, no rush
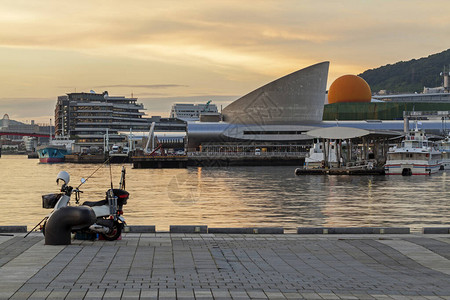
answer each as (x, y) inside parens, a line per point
(234, 197)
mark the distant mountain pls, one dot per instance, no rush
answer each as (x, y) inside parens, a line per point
(408, 76)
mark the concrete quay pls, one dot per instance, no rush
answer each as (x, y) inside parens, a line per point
(228, 266)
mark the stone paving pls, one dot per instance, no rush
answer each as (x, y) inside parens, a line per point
(221, 266)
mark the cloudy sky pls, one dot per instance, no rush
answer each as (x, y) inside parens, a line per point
(194, 51)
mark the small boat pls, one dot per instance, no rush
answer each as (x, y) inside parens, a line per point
(316, 157)
(444, 148)
(416, 156)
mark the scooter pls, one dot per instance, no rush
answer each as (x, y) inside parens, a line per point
(105, 217)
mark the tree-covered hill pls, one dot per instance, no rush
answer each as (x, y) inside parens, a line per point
(408, 76)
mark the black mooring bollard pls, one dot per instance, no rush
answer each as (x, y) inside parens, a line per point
(60, 223)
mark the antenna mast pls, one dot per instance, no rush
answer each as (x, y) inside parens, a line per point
(50, 128)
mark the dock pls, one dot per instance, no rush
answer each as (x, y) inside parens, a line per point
(158, 162)
(228, 266)
(248, 160)
(183, 161)
(85, 158)
(339, 171)
(96, 158)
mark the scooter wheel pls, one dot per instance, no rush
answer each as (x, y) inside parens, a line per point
(114, 233)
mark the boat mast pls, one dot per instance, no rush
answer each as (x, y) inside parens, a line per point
(50, 128)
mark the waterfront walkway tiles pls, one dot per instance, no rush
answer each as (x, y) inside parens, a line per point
(222, 266)
(24, 266)
(421, 255)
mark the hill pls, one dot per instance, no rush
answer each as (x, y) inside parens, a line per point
(408, 76)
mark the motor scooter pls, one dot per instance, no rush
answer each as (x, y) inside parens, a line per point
(105, 217)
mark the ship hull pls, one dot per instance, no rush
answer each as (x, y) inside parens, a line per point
(50, 160)
(411, 168)
(51, 155)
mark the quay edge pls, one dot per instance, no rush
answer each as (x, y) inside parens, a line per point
(261, 230)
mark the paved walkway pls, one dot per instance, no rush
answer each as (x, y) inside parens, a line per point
(194, 266)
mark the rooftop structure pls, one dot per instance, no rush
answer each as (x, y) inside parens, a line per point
(90, 116)
(349, 88)
(191, 112)
(276, 114)
(296, 98)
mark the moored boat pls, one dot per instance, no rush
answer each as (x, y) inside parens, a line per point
(416, 156)
(316, 157)
(55, 151)
(52, 154)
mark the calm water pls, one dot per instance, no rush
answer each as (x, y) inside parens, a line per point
(234, 197)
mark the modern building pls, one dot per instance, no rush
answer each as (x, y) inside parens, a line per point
(278, 116)
(350, 98)
(384, 110)
(90, 118)
(422, 98)
(192, 112)
(296, 98)
(274, 117)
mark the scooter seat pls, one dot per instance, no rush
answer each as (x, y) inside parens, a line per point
(95, 203)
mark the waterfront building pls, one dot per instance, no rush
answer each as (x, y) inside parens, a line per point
(278, 116)
(350, 100)
(90, 118)
(272, 118)
(191, 112)
(385, 110)
(296, 98)
(416, 98)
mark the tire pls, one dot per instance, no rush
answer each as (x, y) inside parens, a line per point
(114, 233)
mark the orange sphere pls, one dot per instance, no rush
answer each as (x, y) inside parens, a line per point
(349, 88)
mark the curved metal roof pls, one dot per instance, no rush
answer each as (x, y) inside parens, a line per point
(338, 133)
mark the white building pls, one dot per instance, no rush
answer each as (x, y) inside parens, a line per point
(191, 112)
(90, 118)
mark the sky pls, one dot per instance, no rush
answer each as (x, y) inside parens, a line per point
(192, 51)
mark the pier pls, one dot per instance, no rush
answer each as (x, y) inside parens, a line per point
(217, 160)
(340, 171)
(337, 265)
(158, 162)
(96, 158)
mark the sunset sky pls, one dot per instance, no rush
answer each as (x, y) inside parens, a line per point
(194, 51)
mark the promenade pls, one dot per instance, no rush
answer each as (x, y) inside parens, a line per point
(228, 266)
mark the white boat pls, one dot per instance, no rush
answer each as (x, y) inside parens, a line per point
(316, 157)
(415, 156)
(444, 148)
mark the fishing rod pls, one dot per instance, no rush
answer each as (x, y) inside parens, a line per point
(46, 217)
(86, 179)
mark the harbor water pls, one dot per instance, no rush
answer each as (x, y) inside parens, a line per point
(233, 197)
